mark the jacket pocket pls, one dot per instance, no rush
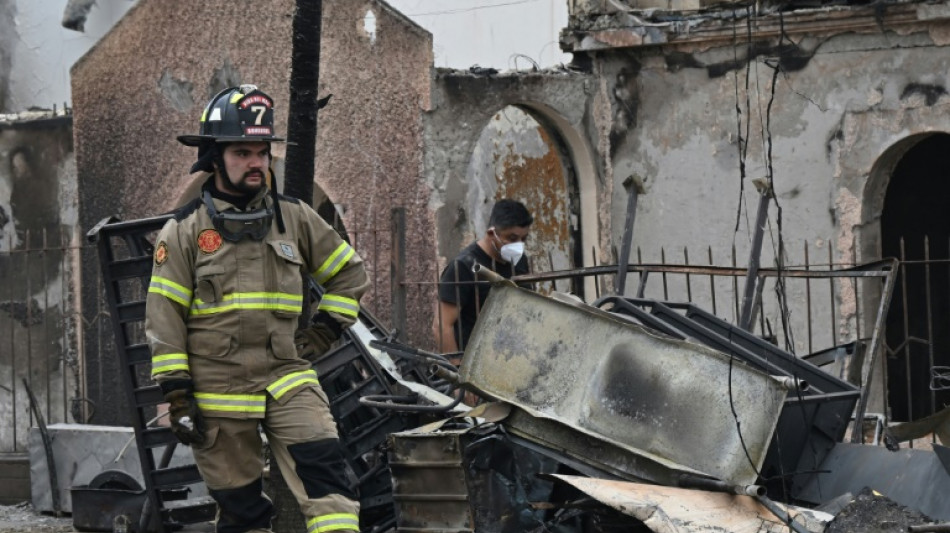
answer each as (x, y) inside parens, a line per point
(209, 343)
(285, 278)
(282, 345)
(208, 285)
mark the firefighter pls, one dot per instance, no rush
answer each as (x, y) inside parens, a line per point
(221, 320)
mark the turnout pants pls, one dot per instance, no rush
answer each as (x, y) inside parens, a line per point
(303, 439)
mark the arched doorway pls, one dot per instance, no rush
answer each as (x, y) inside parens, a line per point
(915, 225)
(518, 155)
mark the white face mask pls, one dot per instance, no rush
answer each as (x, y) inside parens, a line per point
(512, 252)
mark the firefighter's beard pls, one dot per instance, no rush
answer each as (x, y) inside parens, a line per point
(245, 187)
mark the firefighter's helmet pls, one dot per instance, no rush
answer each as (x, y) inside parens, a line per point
(236, 114)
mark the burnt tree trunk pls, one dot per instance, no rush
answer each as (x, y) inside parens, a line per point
(298, 183)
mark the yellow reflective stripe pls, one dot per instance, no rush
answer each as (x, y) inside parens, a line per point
(334, 263)
(292, 381)
(170, 290)
(333, 522)
(339, 304)
(234, 403)
(278, 301)
(169, 362)
(235, 97)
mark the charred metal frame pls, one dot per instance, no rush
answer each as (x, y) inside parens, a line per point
(885, 270)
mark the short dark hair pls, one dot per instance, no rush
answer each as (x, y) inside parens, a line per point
(509, 213)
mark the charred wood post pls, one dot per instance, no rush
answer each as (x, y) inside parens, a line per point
(298, 183)
(302, 114)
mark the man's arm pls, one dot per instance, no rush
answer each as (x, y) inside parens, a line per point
(335, 265)
(167, 305)
(445, 323)
(166, 308)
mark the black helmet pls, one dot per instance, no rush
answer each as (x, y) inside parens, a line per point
(236, 114)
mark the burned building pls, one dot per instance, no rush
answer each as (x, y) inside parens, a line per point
(837, 109)
(838, 106)
(841, 106)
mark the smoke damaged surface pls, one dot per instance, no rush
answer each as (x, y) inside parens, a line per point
(871, 512)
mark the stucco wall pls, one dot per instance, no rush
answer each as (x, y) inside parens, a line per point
(841, 107)
(36, 51)
(170, 64)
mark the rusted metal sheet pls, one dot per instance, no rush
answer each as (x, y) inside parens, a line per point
(666, 401)
(674, 510)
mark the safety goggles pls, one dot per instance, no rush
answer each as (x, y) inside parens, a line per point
(236, 225)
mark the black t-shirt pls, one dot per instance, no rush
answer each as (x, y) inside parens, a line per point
(458, 286)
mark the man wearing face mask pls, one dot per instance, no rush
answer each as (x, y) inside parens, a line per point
(460, 296)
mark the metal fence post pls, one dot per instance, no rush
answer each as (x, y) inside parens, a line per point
(752, 278)
(397, 271)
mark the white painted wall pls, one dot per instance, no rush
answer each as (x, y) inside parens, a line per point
(43, 50)
(489, 33)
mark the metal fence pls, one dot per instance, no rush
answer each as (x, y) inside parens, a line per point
(837, 315)
(808, 308)
(39, 340)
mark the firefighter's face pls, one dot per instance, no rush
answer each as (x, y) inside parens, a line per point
(245, 167)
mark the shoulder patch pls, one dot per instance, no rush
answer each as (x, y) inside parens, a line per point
(161, 253)
(209, 241)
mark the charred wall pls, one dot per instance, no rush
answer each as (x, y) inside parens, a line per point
(7, 13)
(563, 102)
(826, 104)
(38, 296)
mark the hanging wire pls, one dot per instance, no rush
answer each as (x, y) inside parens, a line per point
(743, 140)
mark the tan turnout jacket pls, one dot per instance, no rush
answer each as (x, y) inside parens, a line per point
(224, 314)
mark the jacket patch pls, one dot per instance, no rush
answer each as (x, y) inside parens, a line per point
(161, 253)
(287, 249)
(209, 241)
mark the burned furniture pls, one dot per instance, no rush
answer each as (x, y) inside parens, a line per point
(618, 396)
(811, 421)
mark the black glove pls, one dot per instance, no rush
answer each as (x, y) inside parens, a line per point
(314, 341)
(186, 421)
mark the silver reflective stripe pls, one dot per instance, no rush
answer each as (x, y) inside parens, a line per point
(170, 290)
(333, 522)
(288, 382)
(339, 304)
(334, 263)
(169, 362)
(253, 300)
(236, 403)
